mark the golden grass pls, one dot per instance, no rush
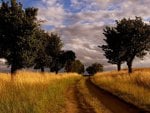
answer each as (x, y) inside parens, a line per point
(32, 92)
(133, 88)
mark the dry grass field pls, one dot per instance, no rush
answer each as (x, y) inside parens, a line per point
(133, 88)
(32, 92)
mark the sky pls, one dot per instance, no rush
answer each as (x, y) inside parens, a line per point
(80, 23)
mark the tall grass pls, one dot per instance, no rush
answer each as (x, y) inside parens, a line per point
(133, 88)
(34, 92)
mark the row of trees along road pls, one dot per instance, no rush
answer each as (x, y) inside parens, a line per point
(24, 44)
(130, 38)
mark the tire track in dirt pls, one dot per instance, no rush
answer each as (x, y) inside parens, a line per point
(113, 103)
(75, 102)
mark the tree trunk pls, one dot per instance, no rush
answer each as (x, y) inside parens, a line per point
(129, 67)
(13, 71)
(119, 66)
(56, 71)
(129, 64)
(42, 69)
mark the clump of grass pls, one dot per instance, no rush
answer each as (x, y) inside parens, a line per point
(143, 79)
(133, 88)
(34, 92)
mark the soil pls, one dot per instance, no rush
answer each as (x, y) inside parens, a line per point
(110, 101)
(75, 102)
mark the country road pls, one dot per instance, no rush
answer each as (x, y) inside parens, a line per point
(113, 103)
(76, 103)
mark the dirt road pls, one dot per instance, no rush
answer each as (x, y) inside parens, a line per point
(113, 103)
(76, 103)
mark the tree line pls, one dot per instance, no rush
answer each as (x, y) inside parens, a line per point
(24, 44)
(130, 38)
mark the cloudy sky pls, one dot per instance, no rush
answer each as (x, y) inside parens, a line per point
(80, 23)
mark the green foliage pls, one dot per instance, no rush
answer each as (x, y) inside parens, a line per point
(53, 49)
(130, 38)
(54, 45)
(77, 66)
(17, 28)
(135, 38)
(64, 58)
(57, 63)
(94, 68)
(69, 57)
(113, 50)
(42, 58)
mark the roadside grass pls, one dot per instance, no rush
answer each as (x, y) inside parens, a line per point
(32, 92)
(93, 102)
(133, 88)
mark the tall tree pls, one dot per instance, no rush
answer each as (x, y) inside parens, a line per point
(69, 57)
(94, 68)
(135, 36)
(130, 38)
(17, 41)
(54, 50)
(42, 59)
(112, 49)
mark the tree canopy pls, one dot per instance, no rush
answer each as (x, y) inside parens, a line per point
(130, 38)
(69, 58)
(76, 66)
(113, 50)
(42, 59)
(17, 28)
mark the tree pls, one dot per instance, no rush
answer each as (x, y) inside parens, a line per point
(94, 68)
(77, 66)
(135, 36)
(54, 45)
(113, 50)
(63, 59)
(130, 38)
(17, 28)
(57, 63)
(42, 59)
(54, 50)
(68, 57)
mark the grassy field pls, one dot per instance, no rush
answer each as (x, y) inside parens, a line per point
(34, 92)
(133, 88)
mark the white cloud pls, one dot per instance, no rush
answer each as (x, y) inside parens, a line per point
(83, 30)
(51, 12)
